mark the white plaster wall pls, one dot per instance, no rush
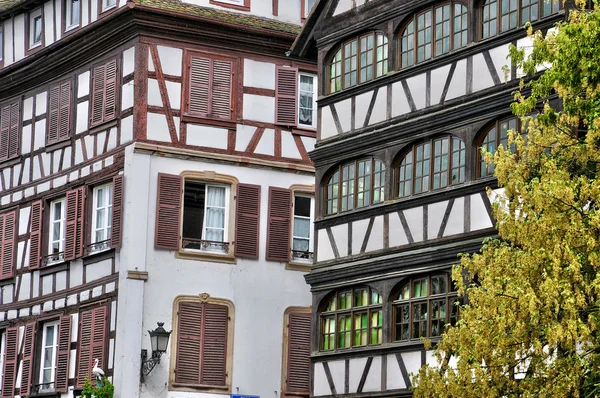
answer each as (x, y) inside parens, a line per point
(343, 6)
(8, 42)
(259, 74)
(48, 23)
(19, 37)
(259, 108)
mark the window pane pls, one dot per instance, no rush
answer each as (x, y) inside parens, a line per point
(301, 227)
(302, 206)
(37, 29)
(75, 4)
(193, 210)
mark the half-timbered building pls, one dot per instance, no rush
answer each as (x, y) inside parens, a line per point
(409, 93)
(154, 168)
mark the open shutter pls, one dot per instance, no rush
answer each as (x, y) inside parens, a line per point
(279, 224)
(10, 362)
(286, 96)
(28, 350)
(221, 89)
(98, 84)
(200, 76)
(117, 212)
(214, 345)
(4, 131)
(53, 115)
(168, 211)
(74, 228)
(64, 112)
(247, 219)
(189, 335)
(298, 353)
(9, 236)
(13, 139)
(61, 382)
(35, 240)
(110, 96)
(84, 351)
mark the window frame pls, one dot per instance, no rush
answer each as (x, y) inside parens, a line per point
(67, 13)
(311, 220)
(241, 5)
(285, 348)
(305, 10)
(104, 8)
(109, 195)
(49, 254)
(374, 61)
(2, 355)
(555, 8)
(481, 138)
(117, 98)
(40, 363)
(1, 47)
(450, 295)
(314, 109)
(410, 150)
(31, 17)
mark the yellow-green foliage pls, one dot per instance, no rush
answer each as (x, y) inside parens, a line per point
(534, 296)
(106, 391)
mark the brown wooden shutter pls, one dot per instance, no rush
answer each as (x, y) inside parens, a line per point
(74, 228)
(4, 131)
(61, 382)
(214, 345)
(35, 236)
(13, 140)
(189, 335)
(9, 237)
(168, 211)
(221, 89)
(110, 95)
(64, 112)
(279, 224)
(247, 220)
(286, 96)
(117, 212)
(10, 362)
(99, 333)
(28, 350)
(53, 115)
(200, 96)
(98, 88)
(92, 342)
(298, 353)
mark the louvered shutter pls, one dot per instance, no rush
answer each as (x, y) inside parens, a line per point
(64, 111)
(4, 131)
(286, 96)
(200, 75)
(9, 236)
(74, 228)
(92, 342)
(53, 115)
(35, 236)
(10, 362)
(117, 212)
(214, 345)
(28, 349)
(110, 94)
(168, 211)
(13, 139)
(98, 88)
(187, 367)
(247, 219)
(61, 382)
(279, 224)
(99, 330)
(221, 89)
(298, 353)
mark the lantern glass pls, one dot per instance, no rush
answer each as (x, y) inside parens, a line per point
(162, 341)
(154, 342)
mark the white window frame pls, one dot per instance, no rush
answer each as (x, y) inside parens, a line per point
(106, 6)
(308, 9)
(314, 102)
(45, 326)
(108, 197)
(33, 15)
(311, 222)
(69, 15)
(1, 41)
(63, 224)
(2, 355)
(234, 2)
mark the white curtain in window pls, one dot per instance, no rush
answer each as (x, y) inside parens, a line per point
(215, 214)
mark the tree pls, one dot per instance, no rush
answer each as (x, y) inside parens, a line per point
(107, 390)
(530, 326)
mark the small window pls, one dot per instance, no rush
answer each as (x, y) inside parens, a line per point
(307, 100)
(108, 4)
(500, 16)
(432, 164)
(102, 216)
(205, 217)
(302, 239)
(73, 14)
(10, 129)
(352, 318)
(59, 111)
(35, 28)
(495, 136)
(307, 7)
(48, 357)
(104, 93)
(296, 352)
(243, 5)
(423, 307)
(209, 87)
(56, 241)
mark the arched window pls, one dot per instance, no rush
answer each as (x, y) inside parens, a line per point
(423, 307)
(496, 135)
(499, 16)
(358, 60)
(356, 184)
(432, 164)
(433, 32)
(351, 318)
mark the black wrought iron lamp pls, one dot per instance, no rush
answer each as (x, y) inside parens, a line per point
(159, 341)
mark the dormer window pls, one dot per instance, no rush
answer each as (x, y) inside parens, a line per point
(35, 28)
(108, 4)
(73, 13)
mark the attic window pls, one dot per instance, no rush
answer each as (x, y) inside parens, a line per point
(242, 5)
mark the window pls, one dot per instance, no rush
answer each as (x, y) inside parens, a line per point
(356, 184)
(10, 130)
(59, 110)
(433, 32)
(102, 214)
(243, 5)
(352, 318)
(432, 164)
(358, 60)
(296, 351)
(1, 44)
(203, 339)
(2, 354)
(499, 16)
(11, 353)
(496, 135)
(103, 106)
(108, 4)
(35, 28)
(72, 14)
(205, 217)
(209, 87)
(92, 342)
(302, 239)
(307, 100)
(423, 307)
(56, 241)
(48, 356)
(307, 6)
(295, 98)
(8, 243)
